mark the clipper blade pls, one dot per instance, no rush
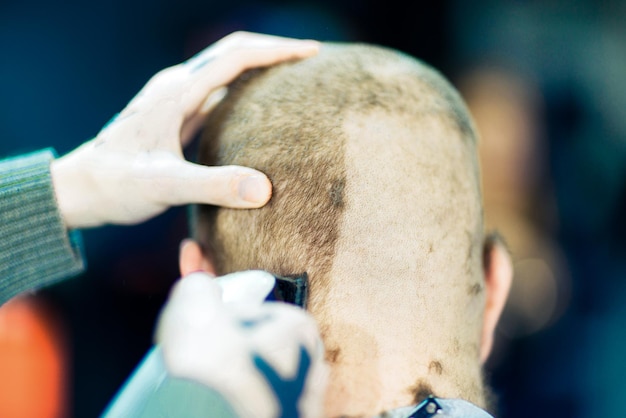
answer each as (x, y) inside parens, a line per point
(292, 289)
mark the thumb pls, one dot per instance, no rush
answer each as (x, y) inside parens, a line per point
(229, 186)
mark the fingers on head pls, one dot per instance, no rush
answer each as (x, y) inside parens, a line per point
(243, 40)
(219, 64)
(191, 82)
(228, 186)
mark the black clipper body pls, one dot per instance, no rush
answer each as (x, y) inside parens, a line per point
(293, 289)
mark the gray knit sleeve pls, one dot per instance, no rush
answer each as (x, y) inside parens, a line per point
(35, 247)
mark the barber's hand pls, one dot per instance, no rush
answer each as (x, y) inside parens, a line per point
(135, 169)
(265, 359)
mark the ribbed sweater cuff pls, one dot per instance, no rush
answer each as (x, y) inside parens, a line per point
(35, 247)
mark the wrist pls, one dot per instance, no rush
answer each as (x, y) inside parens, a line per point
(71, 188)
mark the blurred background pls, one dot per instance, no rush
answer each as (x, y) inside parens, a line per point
(545, 81)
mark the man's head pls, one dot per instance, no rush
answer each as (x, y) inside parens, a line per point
(377, 197)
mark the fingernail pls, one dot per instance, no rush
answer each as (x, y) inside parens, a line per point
(255, 189)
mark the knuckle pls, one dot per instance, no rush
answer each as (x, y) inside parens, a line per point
(165, 75)
(240, 35)
(162, 74)
(238, 38)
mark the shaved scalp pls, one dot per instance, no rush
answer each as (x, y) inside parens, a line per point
(319, 128)
(287, 122)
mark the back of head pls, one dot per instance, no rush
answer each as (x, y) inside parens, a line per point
(376, 195)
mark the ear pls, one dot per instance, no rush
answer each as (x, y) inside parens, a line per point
(191, 259)
(498, 278)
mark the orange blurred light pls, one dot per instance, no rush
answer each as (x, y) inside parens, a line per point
(32, 362)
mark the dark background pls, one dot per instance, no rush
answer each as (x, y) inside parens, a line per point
(67, 67)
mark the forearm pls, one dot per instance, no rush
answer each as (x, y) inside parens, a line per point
(35, 247)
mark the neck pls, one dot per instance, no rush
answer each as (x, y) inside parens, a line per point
(381, 361)
(364, 384)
